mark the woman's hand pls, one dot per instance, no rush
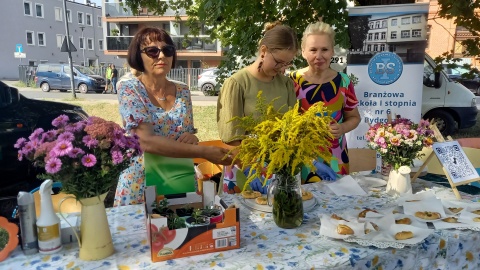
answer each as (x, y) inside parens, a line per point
(217, 155)
(188, 138)
(336, 129)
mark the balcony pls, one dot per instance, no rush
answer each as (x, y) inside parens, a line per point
(194, 44)
(121, 10)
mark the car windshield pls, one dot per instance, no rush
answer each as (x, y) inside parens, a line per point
(85, 70)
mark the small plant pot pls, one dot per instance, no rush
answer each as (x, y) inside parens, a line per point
(184, 212)
(164, 213)
(197, 222)
(215, 215)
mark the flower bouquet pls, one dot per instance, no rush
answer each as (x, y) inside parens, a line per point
(87, 157)
(284, 143)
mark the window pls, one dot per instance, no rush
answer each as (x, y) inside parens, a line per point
(375, 48)
(405, 20)
(405, 33)
(394, 22)
(382, 47)
(370, 25)
(370, 36)
(81, 44)
(369, 47)
(58, 14)
(59, 41)
(377, 25)
(39, 10)
(99, 21)
(416, 19)
(80, 17)
(416, 33)
(100, 45)
(69, 15)
(383, 35)
(384, 23)
(27, 8)
(41, 39)
(393, 35)
(376, 36)
(90, 43)
(30, 38)
(88, 18)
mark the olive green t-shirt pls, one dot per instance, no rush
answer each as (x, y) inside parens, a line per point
(238, 97)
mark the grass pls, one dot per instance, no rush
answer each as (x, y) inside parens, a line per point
(204, 117)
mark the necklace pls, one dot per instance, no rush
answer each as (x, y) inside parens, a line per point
(163, 98)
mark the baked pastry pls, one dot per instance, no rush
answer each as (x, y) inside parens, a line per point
(476, 212)
(261, 200)
(404, 235)
(412, 200)
(249, 194)
(306, 195)
(403, 221)
(367, 231)
(450, 220)
(476, 219)
(455, 209)
(364, 212)
(375, 226)
(428, 215)
(344, 229)
(335, 216)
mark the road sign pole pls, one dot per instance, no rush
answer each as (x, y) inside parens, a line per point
(72, 78)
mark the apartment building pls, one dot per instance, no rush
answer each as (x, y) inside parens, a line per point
(33, 32)
(121, 26)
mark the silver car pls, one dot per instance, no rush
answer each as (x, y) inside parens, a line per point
(207, 82)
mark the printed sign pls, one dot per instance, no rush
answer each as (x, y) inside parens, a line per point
(455, 161)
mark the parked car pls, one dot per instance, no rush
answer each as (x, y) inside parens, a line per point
(207, 82)
(57, 76)
(19, 117)
(456, 75)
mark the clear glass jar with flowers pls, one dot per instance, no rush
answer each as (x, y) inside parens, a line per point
(285, 143)
(399, 142)
(86, 157)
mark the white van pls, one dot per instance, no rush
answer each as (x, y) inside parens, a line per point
(451, 104)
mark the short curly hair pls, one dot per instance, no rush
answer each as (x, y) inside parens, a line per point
(143, 37)
(318, 28)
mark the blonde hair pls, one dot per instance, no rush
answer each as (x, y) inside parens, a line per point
(279, 37)
(318, 28)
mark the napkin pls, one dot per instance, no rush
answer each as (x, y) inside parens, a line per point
(345, 186)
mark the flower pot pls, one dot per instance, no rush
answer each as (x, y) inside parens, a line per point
(197, 222)
(287, 207)
(181, 212)
(399, 181)
(95, 239)
(215, 215)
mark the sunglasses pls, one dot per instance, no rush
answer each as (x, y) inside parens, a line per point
(154, 52)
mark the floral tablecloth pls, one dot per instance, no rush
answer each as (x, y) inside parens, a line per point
(265, 246)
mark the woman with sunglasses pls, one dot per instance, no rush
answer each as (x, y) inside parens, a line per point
(159, 112)
(318, 82)
(238, 95)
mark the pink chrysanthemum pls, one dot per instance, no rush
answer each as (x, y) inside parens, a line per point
(60, 121)
(117, 157)
(66, 136)
(89, 160)
(62, 148)
(20, 143)
(76, 152)
(89, 141)
(53, 165)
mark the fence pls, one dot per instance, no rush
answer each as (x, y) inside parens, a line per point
(185, 75)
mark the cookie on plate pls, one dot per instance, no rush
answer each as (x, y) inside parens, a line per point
(261, 200)
(403, 235)
(476, 219)
(427, 215)
(307, 195)
(364, 212)
(344, 229)
(403, 221)
(450, 220)
(249, 194)
(476, 212)
(455, 209)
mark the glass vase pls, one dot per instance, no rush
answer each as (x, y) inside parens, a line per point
(287, 200)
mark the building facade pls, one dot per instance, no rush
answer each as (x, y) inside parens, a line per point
(122, 25)
(35, 30)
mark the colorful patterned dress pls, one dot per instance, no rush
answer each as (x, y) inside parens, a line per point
(338, 96)
(135, 108)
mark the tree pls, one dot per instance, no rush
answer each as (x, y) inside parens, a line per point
(239, 24)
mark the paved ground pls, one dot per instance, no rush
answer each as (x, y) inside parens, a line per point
(198, 98)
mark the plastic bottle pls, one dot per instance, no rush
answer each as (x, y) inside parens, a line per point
(28, 228)
(48, 224)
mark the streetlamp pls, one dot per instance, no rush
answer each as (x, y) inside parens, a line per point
(83, 45)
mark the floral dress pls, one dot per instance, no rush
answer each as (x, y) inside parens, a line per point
(135, 108)
(338, 96)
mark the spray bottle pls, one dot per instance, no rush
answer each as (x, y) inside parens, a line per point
(28, 229)
(48, 224)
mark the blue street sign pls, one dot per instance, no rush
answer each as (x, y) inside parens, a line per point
(19, 48)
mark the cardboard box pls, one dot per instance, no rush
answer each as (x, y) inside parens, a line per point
(171, 244)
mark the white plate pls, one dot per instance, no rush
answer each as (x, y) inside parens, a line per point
(372, 182)
(250, 203)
